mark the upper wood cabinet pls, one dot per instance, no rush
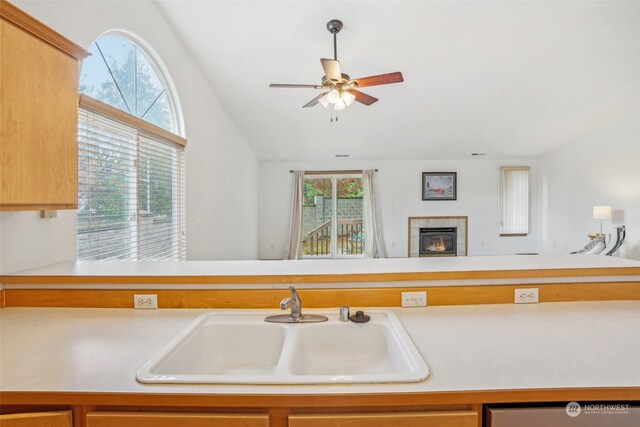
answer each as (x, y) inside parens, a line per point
(38, 114)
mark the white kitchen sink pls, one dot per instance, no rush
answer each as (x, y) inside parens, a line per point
(241, 348)
(349, 350)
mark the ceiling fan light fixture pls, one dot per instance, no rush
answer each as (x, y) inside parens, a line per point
(342, 91)
(324, 100)
(333, 96)
(347, 98)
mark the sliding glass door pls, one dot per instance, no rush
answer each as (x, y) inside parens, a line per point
(332, 216)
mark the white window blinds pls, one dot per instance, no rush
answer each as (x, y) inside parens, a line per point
(131, 190)
(515, 200)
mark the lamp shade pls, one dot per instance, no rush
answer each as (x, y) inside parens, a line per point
(602, 212)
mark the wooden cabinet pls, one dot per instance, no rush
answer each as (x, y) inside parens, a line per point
(159, 419)
(38, 114)
(452, 418)
(393, 419)
(434, 409)
(37, 419)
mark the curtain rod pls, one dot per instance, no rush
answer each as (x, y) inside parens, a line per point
(351, 171)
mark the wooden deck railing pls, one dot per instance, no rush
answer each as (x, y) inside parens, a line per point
(350, 238)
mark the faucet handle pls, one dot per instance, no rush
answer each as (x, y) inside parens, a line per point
(294, 299)
(294, 293)
(284, 304)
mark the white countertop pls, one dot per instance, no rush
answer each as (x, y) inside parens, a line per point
(480, 347)
(328, 266)
(357, 273)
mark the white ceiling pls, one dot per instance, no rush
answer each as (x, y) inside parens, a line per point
(510, 78)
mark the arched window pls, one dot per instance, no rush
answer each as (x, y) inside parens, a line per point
(131, 165)
(122, 74)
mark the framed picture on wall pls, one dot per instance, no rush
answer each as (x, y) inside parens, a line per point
(439, 186)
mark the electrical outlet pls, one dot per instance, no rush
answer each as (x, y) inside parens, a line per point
(146, 301)
(414, 299)
(525, 296)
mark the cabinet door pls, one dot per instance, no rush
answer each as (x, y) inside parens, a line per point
(38, 122)
(624, 416)
(404, 419)
(37, 419)
(147, 419)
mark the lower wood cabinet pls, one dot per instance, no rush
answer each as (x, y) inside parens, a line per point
(393, 419)
(166, 419)
(37, 419)
(462, 409)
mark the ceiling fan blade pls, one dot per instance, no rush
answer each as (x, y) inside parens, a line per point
(331, 69)
(295, 86)
(362, 97)
(314, 101)
(381, 79)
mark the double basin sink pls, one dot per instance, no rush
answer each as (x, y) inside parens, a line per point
(241, 348)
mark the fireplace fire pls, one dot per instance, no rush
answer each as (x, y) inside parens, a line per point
(438, 245)
(438, 241)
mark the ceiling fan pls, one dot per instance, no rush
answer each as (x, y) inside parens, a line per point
(339, 89)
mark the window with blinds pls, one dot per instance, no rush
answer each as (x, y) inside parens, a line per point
(131, 187)
(515, 201)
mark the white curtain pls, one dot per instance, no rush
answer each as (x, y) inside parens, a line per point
(373, 240)
(294, 241)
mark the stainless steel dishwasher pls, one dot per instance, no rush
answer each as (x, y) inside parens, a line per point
(573, 414)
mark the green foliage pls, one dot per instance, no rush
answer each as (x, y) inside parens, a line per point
(316, 187)
(347, 188)
(350, 188)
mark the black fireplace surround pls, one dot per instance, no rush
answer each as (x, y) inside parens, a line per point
(438, 241)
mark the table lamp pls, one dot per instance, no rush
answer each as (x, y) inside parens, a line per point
(601, 213)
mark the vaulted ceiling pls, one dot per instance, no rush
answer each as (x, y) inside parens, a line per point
(510, 79)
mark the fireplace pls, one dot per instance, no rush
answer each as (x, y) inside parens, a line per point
(438, 241)
(418, 223)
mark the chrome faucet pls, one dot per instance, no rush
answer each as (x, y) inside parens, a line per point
(294, 302)
(296, 316)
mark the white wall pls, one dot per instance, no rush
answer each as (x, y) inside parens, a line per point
(400, 197)
(586, 174)
(222, 169)
(598, 165)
